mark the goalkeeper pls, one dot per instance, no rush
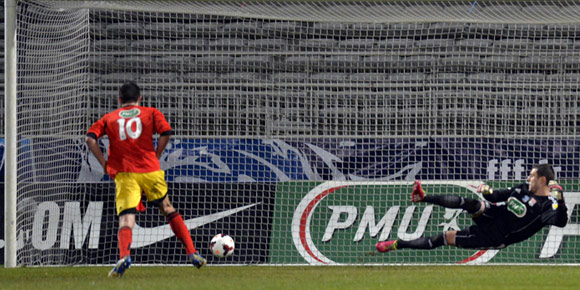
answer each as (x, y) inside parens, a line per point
(507, 216)
(134, 165)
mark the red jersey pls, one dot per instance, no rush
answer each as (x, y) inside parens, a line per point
(130, 130)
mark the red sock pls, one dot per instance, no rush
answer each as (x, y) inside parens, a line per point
(178, 227)
(125, 237)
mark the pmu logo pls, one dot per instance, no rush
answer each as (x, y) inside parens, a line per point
(350, 221)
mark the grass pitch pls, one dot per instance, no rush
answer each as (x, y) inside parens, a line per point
(296, 278)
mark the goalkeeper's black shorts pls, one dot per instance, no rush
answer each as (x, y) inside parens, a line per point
(476, 237)
(482, 235)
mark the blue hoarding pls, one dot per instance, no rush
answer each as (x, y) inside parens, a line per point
(272, 160)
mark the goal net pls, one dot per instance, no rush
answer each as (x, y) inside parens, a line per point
(299, 125)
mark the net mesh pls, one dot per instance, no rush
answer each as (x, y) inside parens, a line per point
(271, 100)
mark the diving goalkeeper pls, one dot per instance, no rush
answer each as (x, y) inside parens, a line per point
(507, 216)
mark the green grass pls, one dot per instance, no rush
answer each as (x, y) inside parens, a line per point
(298, 278)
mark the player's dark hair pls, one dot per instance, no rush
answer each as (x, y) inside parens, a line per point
(129, 92)
(546, 171)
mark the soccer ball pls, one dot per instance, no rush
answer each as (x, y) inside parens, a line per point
(222, 246)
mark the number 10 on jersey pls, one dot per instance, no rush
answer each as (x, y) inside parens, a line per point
(126, 128)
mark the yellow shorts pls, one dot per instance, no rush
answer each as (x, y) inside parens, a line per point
(130, 185)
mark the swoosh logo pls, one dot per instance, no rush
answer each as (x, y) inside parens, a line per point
(146, 236)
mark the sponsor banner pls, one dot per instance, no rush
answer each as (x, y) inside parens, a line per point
(2, 243)
(2, 157)
(315, 159)
(79, 224)
(25, 159)
(339, 222)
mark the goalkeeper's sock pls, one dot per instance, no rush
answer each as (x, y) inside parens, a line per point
(125, 237)
(422, 243)
(453, 201)
(178, 227)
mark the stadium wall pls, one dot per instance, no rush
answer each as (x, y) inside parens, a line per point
(316, 159)
(270, 227)
(2, 243)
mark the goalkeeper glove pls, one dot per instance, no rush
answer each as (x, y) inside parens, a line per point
(556, 190)
(485, 189)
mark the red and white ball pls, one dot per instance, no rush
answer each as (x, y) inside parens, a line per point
(222, 246)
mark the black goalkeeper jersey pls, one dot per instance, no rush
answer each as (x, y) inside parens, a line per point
(518, 214)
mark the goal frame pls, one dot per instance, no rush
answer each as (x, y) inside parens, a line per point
(10, 149)
(11, 136)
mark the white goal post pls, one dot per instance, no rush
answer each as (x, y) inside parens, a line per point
(10, 129)
(299, 125)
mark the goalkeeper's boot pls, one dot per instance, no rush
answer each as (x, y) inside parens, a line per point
(197, 260)
(418, 194)
(120, 267)
(386, 246)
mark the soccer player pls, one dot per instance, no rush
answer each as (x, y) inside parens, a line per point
(134, 165)
(506, 216)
